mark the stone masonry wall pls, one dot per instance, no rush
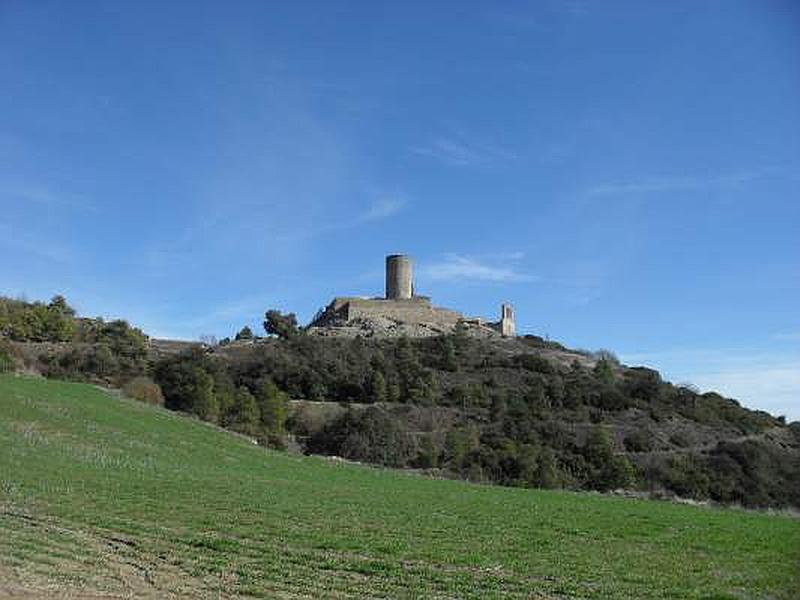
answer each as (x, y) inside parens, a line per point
(414, 311)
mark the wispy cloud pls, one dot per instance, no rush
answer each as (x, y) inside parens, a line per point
(27, 243)
(222, 320)
(281, 237)
(455, 267)
(45, 196)
(460, 152)
(382, 209)
(787, 336)
(682, 183)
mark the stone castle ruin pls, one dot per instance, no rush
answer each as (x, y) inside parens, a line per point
(401, 311)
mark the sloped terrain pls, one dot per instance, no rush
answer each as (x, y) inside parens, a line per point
(105, 497)
(523, 412)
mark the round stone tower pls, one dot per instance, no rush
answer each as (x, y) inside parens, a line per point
(399, 284)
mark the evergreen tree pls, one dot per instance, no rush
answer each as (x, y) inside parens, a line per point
(273, 405)
(608, 470)
(205, 402)
(448, 350)
(546, 475)
(604, 371)
(245, 415)
(245, 333)
(377, 387)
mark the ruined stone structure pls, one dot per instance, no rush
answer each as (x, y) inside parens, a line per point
(508, 327)
(401, 311)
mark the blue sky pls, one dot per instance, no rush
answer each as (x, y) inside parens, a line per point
(627, 173)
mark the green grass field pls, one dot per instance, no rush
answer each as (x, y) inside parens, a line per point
(101, 496)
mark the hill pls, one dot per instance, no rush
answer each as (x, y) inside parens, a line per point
(102, 496)
(519, 411)
(522, 412)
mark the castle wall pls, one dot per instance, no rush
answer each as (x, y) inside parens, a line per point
(415, 310)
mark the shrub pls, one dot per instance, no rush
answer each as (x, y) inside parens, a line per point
(643, 384)
(145, 390)
(532, 362)
(640, 440)
(687, 477)
(372, 435)
(681, 439)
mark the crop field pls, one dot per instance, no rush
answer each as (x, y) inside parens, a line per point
(105, 497)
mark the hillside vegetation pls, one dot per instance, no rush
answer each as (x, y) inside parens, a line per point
(102, 495)
(521, 412)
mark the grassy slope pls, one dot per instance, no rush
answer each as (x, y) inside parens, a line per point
(101, 494)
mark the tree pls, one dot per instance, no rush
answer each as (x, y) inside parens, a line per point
(461, 339)
(59, 304)
(459, 443)
(205, 402)
(186, 384)
(245, 415)
(604, 371)
(416, 383)
(377, 387)
(608, 470)
(448, 354)
(284, 326)
(225, 393)
(274, 407)
(546, 475)
(429, 453)
(245, 333)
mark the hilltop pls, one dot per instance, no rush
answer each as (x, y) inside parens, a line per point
(103, 496)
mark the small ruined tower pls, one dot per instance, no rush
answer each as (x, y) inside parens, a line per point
(508, 327)
(399, 284)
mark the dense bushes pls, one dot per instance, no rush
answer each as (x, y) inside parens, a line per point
(369, 435)
(640, 440)
(37, 322)
(195, 383)
(606, 470)
(71, 347)
(513, 414)
(111, 352)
